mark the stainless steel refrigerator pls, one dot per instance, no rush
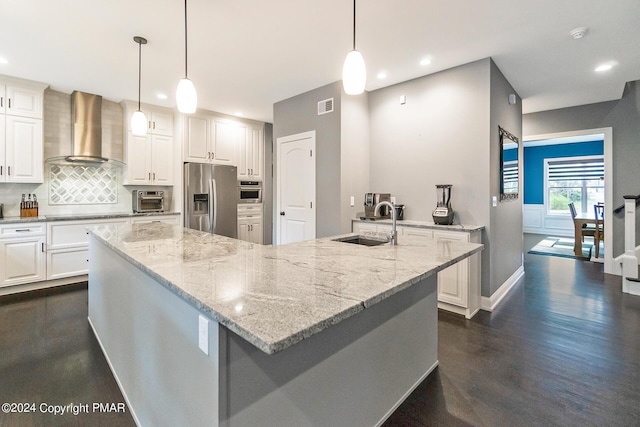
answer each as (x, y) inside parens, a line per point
(211, 198)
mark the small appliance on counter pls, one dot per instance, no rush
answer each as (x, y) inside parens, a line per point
(1, 210)
(443, 214)
(147, 201)
(370, 202)
(399, 211)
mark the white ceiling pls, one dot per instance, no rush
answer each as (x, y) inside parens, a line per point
(244, 55)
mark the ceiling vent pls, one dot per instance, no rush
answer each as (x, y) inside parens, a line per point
(325, 106)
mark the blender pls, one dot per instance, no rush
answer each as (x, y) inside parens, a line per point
(443, 214)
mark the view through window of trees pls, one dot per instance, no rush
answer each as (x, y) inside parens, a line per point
(579, 180)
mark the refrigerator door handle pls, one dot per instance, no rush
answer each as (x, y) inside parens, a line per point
(213, 205)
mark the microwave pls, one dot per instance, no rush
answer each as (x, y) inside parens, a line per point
(250, 192)
(147, 201)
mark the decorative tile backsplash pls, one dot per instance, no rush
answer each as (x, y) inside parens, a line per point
(82, 185)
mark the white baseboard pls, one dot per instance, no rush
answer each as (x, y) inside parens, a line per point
(617, 263)
(490, 303)
(34, 286)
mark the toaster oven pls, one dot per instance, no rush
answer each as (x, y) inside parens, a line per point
(147, 201)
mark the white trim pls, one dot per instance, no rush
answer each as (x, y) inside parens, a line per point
(279, 141)
(608, 182)
(34, 286)
(617, 262)
(115, 375)
(407, 394)
(490, 303)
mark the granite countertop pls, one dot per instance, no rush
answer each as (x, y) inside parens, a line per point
(78, 217)
(425, 224)
(276, 296)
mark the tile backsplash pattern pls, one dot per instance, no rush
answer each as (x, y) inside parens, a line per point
(82, 185)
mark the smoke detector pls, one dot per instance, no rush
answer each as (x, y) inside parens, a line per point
(578, 33)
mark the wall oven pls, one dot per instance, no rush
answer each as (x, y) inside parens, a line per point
(250, 192)
(147, 201)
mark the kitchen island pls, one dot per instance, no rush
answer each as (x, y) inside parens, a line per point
(201, 329)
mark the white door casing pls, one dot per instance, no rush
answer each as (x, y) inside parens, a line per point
(296, 188)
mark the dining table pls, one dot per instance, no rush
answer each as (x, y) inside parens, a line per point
(580, 220)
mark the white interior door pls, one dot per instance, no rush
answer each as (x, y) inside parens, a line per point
(296, 188)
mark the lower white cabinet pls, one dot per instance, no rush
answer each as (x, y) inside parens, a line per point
(68, 246)
(22, 257)
(458, 285)
(250, 222)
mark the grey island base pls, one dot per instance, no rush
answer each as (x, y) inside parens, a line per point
(200, 329)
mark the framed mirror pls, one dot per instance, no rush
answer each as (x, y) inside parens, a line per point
(509, 179)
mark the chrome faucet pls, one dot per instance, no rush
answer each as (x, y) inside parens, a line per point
(394, 231)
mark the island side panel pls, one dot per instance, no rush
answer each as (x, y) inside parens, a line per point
(150, 339)
(352, 374)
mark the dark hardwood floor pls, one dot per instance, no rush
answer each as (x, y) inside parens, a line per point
(562, 349)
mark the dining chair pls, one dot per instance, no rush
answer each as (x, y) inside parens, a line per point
(585, 230)
(598, 237)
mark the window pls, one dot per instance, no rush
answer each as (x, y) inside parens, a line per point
(575, 179)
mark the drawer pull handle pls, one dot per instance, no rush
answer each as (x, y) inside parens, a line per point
(22, 230)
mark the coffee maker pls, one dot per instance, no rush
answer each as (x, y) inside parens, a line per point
(370, 202)
(443, 214)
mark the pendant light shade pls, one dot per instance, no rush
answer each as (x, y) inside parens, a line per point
(139, 120)
(186, 96)
(354, 72)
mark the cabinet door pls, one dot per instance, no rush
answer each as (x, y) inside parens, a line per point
(3, 100)
(162, 160)
(24, 150)
(68, 263)
(161, 123)
(138, 159)
(3, 147)
(256, 153)
(24, 101)
(226, 139)
(243, 229)
(255, 231)
(413, 231)
(453, 281)
(196, 147)
(22, 260)
(244, 158)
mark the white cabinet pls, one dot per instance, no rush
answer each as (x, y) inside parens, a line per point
(250, 222)
(67, 246)
(364, 227)
(251, 156)
(212, 139)
(22, 257)
(149, 158)
(21, 143)
(459, 285)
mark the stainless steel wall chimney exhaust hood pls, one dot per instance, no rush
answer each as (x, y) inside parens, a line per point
(86, 114)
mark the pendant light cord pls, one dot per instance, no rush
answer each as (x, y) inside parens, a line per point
(354, 24)
(139, 70)
(185, 39)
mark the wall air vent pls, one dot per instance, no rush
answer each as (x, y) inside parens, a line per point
(325, 106)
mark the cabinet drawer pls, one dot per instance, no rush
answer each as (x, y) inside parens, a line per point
(160, 218)
(71, 234)
(67, 263)
(21, 230)
(250, 208)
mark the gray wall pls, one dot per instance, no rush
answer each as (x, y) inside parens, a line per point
(267, 186)
(624, 117)
(505, 244)
(300, 114)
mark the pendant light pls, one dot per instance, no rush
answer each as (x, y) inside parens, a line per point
(139, 120)
(186, 96)
(354, 72)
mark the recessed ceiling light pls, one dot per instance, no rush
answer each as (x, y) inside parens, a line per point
(578, 33)
(3, 60)
(161, 95)
(382, 75)
(425, 61)
(603, 67)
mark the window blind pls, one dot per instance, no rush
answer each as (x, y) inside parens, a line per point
(571, 170)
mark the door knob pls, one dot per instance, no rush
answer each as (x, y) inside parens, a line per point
(282, 213)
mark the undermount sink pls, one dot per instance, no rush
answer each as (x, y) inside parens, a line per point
(361, 240)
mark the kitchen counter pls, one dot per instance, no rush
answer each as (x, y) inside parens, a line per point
(287, 293)
(425, 224)
(78, 217)
(310, 333)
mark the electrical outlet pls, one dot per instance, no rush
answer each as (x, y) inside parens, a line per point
(353, 201)
(203, 334)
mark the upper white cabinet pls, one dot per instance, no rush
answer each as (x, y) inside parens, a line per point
(212, 139)
(149, 158)
(251, 155)
(21, 143)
